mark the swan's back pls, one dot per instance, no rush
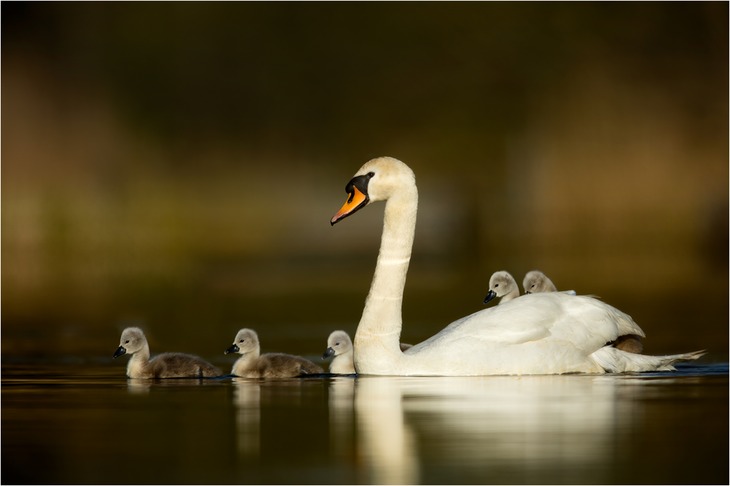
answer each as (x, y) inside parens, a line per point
(535, 334)
(180, 365)
(536, 282)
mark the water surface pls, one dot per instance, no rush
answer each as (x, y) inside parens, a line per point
(86, 423)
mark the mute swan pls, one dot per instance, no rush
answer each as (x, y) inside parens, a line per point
(339, 345)
(545, 333)
(165, 365)
(503, 286)
(252, 364)
(535, 281)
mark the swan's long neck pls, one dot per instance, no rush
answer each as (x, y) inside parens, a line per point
(381, 321)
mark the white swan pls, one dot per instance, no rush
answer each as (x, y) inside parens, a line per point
(543, 333)
(339, 345)
(502, 285)
(165, 365)
(253, 364)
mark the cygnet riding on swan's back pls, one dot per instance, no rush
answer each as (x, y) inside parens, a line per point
(253, 364)
(165, 365)
(543, 333)
(502, 285)
(535, 282)
(339, 345)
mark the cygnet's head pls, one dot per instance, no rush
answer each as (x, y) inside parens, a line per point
(377, 180)
(338, 343)
(246, 341)
(535, 282)
(500, 284)
(132, 340)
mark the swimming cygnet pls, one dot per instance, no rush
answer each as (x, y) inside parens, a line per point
(165, 365)
(535, 282)
(339, 345)
(253, 364)
(502, 285)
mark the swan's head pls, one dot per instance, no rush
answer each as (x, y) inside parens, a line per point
(500, 284)
(377, 180)
(536, 282)
(246, 341)
(338, 343)
(132, 340)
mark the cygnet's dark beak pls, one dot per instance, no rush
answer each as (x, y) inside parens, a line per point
(120, 351)
(233, 349)
(328, 353)
(490, 295)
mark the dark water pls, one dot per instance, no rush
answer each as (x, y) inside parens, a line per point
(86, 423)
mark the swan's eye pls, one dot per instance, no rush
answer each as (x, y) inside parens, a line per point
(371, 174)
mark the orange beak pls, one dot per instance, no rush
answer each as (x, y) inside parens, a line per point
(355, 201)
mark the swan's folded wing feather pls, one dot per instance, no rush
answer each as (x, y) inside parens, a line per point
(485, 328)
(516, 335)
(586, 323)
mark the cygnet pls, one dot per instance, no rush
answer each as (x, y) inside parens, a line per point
(502, 285)
(253, 364)
(165, 365)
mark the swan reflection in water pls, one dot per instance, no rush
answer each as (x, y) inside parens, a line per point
(482, 422)
(537, 429)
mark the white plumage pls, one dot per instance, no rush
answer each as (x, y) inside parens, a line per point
(543, 333)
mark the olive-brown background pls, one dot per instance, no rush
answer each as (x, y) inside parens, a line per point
(175, 165)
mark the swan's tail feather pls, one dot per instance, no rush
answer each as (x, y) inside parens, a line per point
(614, 360)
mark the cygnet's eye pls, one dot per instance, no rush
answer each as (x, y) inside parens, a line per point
(496, 285)
(126, 342)
(337, 344)
(241, 340)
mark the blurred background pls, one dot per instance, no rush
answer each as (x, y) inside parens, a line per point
(175, 166)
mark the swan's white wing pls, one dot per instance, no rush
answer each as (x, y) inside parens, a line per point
(585, 323)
